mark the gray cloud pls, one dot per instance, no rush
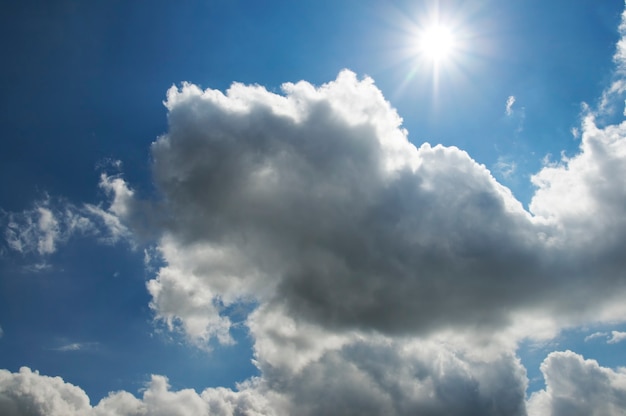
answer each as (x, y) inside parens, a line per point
(373, 377)
(317, 201)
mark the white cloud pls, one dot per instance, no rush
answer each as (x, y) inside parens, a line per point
(509, 105)
(52, 222)
(38, 230)
(76, 346)
(1, 332)
(613, 338)
(616, 336)
(28, 393)
(595, 335)
(614, 93)
(575, 386)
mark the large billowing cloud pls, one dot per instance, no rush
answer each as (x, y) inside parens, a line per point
(316, 203)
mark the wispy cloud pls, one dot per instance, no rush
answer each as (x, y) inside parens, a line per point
(505, 167)
(509, 105)
(51, 222)
(77, 346)
(595, 335)
(613, 337)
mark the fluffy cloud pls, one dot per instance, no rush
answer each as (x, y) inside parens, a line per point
(365, 377)
(376, 376)
(28, 393)
(315, 203)
(347, 241)
(575, 386)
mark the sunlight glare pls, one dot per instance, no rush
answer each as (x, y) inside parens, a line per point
(436, 43)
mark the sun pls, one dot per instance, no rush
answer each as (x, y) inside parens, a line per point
(436, 43)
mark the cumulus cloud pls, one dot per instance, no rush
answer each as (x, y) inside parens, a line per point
(315, 202)
(27, 393)
(348, 241)
(365, 377)
(575, 386)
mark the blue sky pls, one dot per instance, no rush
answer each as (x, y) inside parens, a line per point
(286, 235)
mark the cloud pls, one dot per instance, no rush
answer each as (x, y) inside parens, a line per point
(595, 335)
(509, 105)
(51, 222)
(505, 167)
(1, 332)
(76, 346)
(613, 338)
(614, 93)
(40, 229)
(314, 202)
(365, 377)
(616, 336)
(575, 386)
(375, 374)
(28, 393)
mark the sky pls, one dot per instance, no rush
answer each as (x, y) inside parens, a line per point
(345, 207)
